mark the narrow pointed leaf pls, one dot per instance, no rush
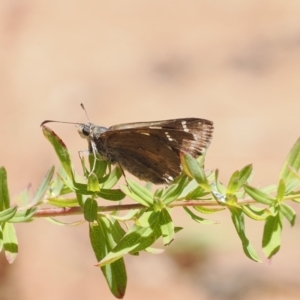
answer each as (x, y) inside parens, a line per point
(4, 194)
(154, 250)
(130, 215)
(112, 195)
(220, 187)
(259, 196)
(192, 185)
(233, 184)
(7, 214)
(245, 174)
(166, 226)
(288, 212)
(100, 166)
(62, 223)
(237, 217)
(93, 184)
(257, 214)
(1, 237)
(134, 196)
(103, 242)
(197, 193)
(208, 210)
(23, 215)
(272, 235)
(112, 178)
(60, 149)
(43, 187)
(90, 209)
(199, 219)
(63, 202)
(137, 239)
(10, 242)
(281, 190)
(173, 191)
(141, 192)
(192, 168)
(292, 185)
(293, 160)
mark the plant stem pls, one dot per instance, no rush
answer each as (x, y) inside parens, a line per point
(69, 211)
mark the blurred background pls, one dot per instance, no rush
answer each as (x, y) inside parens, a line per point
(234, 62)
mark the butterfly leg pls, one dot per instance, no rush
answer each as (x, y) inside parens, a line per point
(93, 147)
(124, 175)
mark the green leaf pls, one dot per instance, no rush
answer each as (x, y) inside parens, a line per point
(10, 242)
(281, 190)
(172, 192)
(112, 195)
(100, 166)
(293, 160)
(166, 226)
(1, 238)
(103, 241)
(23, 215)
(288, 212)
(137, 239)
(7, 214)
(292, 185)
(4, 194)
(191, 186)
(197, 194)
(60, 149)
(207, 210)
(192, 168)
(272, 235)
(130, 215)
(255, 213)
(112, 178)
(138, 193)
(245, 174)
(198, 219)
(63, 202)
(237, 217)
(43, 187)
(93, 184)
(62, 223)
(154, 250)
(90, 209)
(233, 184)
(220, 187)
(259, 196)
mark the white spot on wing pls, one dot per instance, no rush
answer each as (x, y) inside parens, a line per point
(168, 136)
(183, 123)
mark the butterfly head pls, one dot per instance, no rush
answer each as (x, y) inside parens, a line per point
(90, 131)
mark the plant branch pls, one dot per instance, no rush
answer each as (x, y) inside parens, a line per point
(69, 211)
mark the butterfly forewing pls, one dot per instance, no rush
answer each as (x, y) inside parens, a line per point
(150, 150)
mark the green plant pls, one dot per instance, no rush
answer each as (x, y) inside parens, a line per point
(149, 217)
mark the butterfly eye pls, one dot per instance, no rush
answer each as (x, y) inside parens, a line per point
(86, 131)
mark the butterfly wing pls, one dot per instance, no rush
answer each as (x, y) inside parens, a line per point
(150, 150)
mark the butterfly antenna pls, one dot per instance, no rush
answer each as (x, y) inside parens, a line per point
(87, 116)
(53, 121)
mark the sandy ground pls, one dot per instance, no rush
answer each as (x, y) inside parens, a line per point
(236, 63)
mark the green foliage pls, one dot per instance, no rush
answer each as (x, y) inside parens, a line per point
(149, 216)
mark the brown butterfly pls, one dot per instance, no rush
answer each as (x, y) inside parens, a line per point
(148, 150)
